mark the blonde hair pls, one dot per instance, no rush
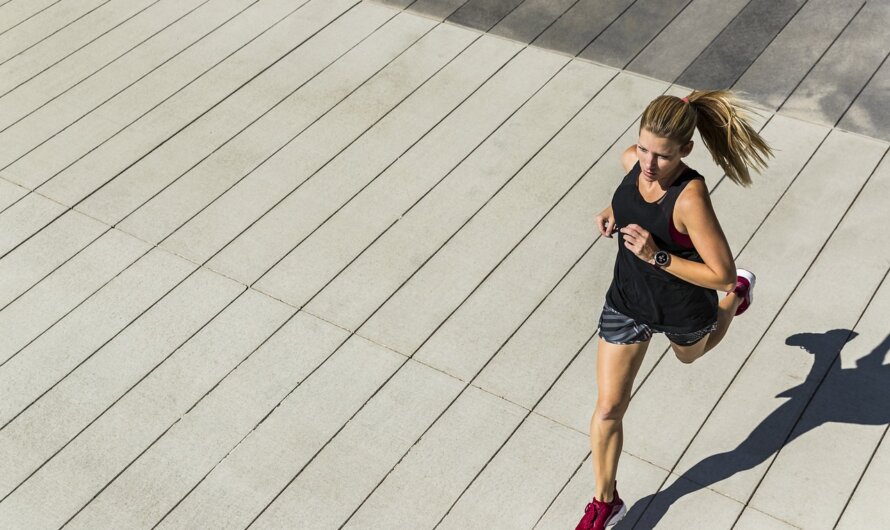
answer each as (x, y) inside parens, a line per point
(723, 122)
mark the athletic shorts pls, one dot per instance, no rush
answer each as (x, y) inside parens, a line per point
(618, 328)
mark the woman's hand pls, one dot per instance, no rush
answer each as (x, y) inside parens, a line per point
(605, 222)
(639, 241)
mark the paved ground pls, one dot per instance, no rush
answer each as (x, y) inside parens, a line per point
(325, 263)
(823, 61)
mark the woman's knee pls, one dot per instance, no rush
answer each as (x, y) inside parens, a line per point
(685, 356)
(610, 410)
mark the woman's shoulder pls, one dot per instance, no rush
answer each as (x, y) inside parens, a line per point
(629, 158)
(694, 194)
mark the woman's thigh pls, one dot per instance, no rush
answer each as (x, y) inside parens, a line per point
(691, 352)
(616, 367)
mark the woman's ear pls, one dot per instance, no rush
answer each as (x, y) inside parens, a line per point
(686, 149)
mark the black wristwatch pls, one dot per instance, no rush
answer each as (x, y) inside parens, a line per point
(662, 259)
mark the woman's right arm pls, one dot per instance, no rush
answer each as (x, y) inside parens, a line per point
(605, 221)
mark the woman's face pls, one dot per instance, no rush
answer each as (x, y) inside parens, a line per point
(660, 158)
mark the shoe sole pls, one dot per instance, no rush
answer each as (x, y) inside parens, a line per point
(752, 279)
(618, 516)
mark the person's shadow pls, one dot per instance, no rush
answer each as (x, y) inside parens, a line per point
(853, 395)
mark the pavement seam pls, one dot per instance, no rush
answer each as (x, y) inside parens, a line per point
(172, 57)
(822, 56)
(4, 61)
(271, 155)
(325, 164)
(140, 43)
(862, 89)
(836, 355)
(94, 39)
(100, 68)
(180, 89)
(29, 17)
(785, 25)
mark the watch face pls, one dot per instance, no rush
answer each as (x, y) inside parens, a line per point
(661, 258)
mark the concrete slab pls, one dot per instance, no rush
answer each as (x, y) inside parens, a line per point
(165, 473)
(840, 427)
(30, 315)
(202, 161)
(541, 455)
(867, 502)
(249, 477)
(549, 310)
(35, 29)
(25, 86)
(398, 4)
(464, 262)
(25, 133)
(325, 494)
(440, 465)
(10, 194)
(827, 91)
(15, 12)
(357, 224)
(583, 22)
(340, 156)
(325, 161)
(725, 60)
(48, 249)
(530, 18)
(436, 9)
(119, 150)
(187, 74)
(24, 218)
(741, 211)
(687, 509)
(79, 399)
(869, 114)
(72, 37)
(685, 38)
(76, 474)
(357, 291)
(752, 519)
(796, 49)
(39, 366)
(483, 14)
(628, 34)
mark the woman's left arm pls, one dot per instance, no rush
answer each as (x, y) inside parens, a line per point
(697, 214)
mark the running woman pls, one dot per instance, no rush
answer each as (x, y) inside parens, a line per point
(672, 259)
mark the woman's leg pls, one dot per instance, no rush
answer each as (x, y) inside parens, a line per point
(725, 313)
(616, 367)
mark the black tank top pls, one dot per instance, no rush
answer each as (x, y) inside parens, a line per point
(641, 290)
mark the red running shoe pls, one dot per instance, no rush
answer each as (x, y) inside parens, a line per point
(598, 514)
(744, 288)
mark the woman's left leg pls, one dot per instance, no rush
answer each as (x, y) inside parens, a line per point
(725, 313)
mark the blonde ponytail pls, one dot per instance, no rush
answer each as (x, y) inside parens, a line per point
(723, 122)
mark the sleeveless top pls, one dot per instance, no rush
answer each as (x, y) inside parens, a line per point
(639, 289)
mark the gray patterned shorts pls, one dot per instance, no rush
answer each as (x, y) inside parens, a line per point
(618, 328)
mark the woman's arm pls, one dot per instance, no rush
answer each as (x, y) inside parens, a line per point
(605, 220)
(697, 215)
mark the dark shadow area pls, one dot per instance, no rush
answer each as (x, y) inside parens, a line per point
(618, 32)
(854, 395)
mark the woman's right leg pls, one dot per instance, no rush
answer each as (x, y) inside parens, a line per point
(616, 367)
